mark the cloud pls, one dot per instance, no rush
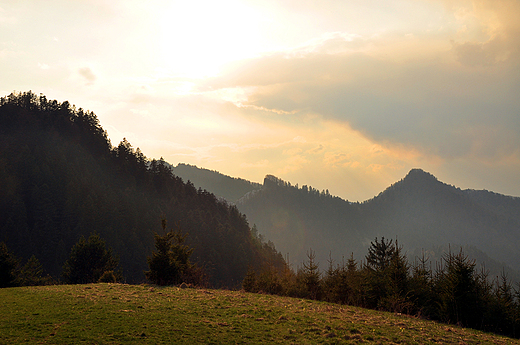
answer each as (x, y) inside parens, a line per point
(43, 66)
(88, 74)
(260, 164)
(458, 99)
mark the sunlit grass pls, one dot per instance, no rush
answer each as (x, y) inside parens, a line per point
(116, 313)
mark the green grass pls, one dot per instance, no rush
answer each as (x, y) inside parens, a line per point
(117, 313)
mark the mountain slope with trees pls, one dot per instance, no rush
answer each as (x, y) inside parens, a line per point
(419, 211)
(221, 185)
(61, 179)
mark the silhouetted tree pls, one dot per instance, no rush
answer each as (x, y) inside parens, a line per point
(8, 264)
(171, 264)
(377, 280)
(380, 254)
(32, 273)
(421, 290)
(397, 298)
(269, 280)
(88, 260)
(458, 288)
(249, 283)
(311, 277)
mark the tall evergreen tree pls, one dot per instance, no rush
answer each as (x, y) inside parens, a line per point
(458, 287)
(311, 276)
(8, 264)
(377, 280)
(398, 272)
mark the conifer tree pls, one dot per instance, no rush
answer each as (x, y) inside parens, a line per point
(170, 264)
(458, 288)
(32, 273)
(268, 280)
(421, 288)
(8, 264)
(397, 299)
(88, 260)
(249, 283)
(377, 279)
(311, 276)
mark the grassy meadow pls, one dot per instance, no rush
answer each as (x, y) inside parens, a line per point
(143, 314)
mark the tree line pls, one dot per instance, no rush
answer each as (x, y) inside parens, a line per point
(90, 261)
(61, 179)
(452, 291)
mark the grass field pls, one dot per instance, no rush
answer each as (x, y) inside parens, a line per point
(141, 314)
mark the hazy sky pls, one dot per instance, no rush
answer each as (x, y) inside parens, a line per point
(340, 95)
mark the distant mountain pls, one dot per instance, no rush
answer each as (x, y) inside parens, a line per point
(223, 186)
(419, 211)
(60, 179)
(298, 219)
(424, 211)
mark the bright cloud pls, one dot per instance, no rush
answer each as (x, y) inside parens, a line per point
(341, 95)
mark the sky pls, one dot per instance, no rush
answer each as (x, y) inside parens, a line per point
(340, 95)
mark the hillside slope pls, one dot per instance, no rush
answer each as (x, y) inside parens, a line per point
(223, 186)
(60, 179)
(116, 313)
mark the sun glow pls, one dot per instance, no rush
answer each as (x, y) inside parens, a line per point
(198, 37)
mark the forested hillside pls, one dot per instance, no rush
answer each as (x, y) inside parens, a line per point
(423, 212)
(297, 219)
(221, 185)
(419, 211)
(60, 179)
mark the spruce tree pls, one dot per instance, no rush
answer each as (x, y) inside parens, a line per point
(8, 264)
(249, 283)
(88, 260)
(170, 264)
(312, 276)
(376, 273)
(32, 273)
(458, 287)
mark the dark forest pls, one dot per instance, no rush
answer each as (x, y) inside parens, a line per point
(61, 179)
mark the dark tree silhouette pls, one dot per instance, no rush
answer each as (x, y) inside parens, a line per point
(32, 273)
(8, 264)
(88, 260)
(170, 264)
(60, 178)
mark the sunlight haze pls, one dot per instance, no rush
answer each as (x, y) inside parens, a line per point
(340, 95)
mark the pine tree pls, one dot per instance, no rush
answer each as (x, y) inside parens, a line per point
(397, 299)
(8, 264)
(88, 260)
(311, 276)
(458, 288)
(249, 283)
(380, 254)
(32, 273)
(377, 279)
(352, 282)
(170, 264)
(422, 294)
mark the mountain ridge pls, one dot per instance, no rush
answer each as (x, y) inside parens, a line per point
(419, 210)
(223, 186)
